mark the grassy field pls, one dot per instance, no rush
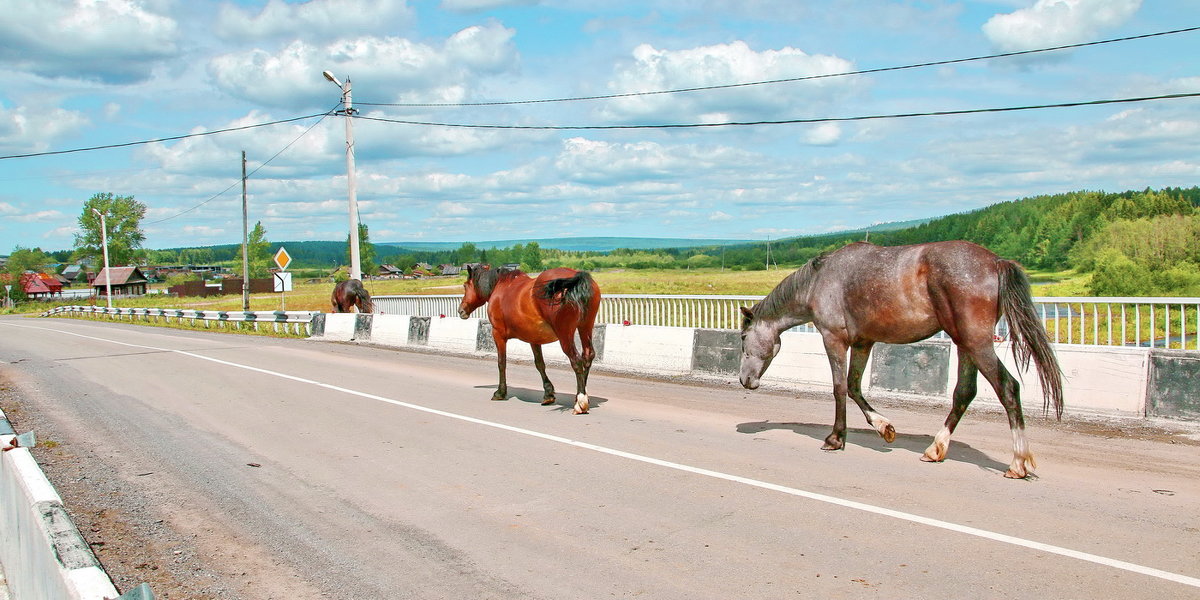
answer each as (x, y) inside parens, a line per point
(315, 295)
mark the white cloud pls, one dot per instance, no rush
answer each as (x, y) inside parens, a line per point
(116, 41)
(383, 69)
(454, 209)
(593, 161)
(8, 209)
(823, 134)
(38, 216)
(24, 129)
(1057, 22)
(467, 6)
(594, 208)
(652, 69)
(318, 18)
(720, 216)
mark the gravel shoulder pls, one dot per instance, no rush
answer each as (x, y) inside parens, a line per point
(139, 530)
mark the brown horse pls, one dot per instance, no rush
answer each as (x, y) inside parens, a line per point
(863, 294)
(556, 305)
(349, 294)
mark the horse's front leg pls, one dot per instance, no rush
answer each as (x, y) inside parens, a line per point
(835, 351)
(501, 359)
(540, 363)
(859, 354)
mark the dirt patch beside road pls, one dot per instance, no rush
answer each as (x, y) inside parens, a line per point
(139, 531)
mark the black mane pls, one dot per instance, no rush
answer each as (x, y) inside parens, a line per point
(485, 278)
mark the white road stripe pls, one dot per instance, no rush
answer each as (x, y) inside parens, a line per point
(887, 512)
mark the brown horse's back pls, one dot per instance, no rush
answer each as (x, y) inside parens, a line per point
(519, 309)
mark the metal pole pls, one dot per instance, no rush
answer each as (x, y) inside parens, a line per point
(348, 110)
(104, 244)
(245, 243)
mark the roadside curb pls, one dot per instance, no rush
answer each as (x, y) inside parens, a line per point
(42, 551)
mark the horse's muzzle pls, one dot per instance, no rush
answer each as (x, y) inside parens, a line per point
(463, 314)
(750, 383)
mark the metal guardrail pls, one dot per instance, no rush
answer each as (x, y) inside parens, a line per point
(291, 321)
(1160, 322)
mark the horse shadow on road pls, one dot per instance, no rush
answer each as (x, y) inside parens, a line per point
(565, 402)
(869, 438)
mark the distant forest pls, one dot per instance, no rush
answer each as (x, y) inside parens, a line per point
(1133, 243)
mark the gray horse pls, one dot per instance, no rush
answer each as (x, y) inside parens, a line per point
(863, 294)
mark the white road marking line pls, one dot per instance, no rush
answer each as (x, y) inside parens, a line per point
(878, 510)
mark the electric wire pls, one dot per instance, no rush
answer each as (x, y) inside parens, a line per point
(789, 79)
(940, 113)
(165, 139)
(256, 169)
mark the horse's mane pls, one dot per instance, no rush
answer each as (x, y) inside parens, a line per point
(486, 279)
(784, 295)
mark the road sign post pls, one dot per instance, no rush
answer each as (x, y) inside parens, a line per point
(283, 279)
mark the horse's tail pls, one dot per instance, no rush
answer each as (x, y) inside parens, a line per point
(365, 304)
(1028, 334)
(576, 290)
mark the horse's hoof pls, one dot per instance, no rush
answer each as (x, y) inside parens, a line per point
(548, 401)
(498, 397)
(888, 433)
(581, 404)
(830, 446)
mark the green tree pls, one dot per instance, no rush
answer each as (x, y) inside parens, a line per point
(1117, 275)
(259, 252)
(467, 253)
(123, 218)
(366, 251)
(27, 259)
(531, 257)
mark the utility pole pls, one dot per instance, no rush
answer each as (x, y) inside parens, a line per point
(107, 271)
(245, 243)
(348, 112)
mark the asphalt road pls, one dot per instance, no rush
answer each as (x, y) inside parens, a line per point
(340, 471)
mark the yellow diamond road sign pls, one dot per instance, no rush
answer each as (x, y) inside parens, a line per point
(283, 259)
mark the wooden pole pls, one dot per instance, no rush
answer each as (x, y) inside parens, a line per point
(245, 242)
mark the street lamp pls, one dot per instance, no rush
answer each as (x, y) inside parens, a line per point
(348, 111)
(104, 243)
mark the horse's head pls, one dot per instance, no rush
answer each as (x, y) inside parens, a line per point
(475, 293)
(760, 344)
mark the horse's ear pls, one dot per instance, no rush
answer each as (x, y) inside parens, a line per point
(746, 312)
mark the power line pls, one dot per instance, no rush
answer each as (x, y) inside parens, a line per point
(789, 79)
(257, 169)
(165, 139)
(941, 113)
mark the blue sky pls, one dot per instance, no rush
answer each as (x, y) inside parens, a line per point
(82, 73)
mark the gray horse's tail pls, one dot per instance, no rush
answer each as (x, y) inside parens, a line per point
(576, 290)
(1029, 338)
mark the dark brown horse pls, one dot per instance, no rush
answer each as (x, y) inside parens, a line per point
(349, 294)
(863, 294)
(556, 305)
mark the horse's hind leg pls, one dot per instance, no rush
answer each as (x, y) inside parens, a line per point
(540, 363)
(964, 392)
(580, 363)
(858, 363)
(1009, 392)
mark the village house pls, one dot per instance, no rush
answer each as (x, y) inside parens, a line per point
(126, 281)
(40, 285)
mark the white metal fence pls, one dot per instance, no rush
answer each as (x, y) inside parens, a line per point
(1147, 322)
(291, 321)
